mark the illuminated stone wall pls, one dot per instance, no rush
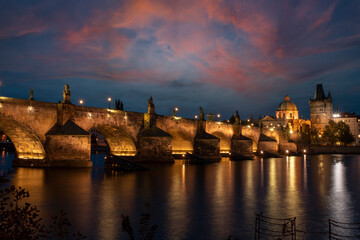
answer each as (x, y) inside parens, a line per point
(120, 142)
(224, 142)
(26, 142)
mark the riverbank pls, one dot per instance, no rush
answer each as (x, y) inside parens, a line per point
(335, 150)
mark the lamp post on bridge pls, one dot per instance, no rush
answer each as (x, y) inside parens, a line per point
(174, 111)
(109, 100)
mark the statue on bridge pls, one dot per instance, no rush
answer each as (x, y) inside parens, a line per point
(66, 94)
(201, 115)
(151, 107)
(31, 94)
(236, 125)
(237, 118)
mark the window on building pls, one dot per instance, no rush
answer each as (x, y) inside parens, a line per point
(283, 115)
(290, 115)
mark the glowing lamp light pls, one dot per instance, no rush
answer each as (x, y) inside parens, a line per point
(249, 126)
(109, 100)
(271, 129)
(183, 155)
(30, 109)
(218, 115)
(304, 150)
(336, 115)
(176, 109)
(291, 132)
(287, 151)
(196, 116)
(261, 152)
(81, 102)
(319, 135)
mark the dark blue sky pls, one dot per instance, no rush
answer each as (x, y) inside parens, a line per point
(221, 55)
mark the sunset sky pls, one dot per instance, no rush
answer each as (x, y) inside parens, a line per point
(221, 55)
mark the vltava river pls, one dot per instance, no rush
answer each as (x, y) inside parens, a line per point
(199, 201)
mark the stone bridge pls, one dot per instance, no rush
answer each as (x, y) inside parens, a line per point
(58, 134)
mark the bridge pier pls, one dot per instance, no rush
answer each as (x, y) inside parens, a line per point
(154, 145)
(242, 144)
(267, 144)
(207, 146)
(290, 146)
(68, 145)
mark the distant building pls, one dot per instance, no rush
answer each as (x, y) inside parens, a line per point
(286, 115)
(271, 121)
(353, 121)
(287, 110)
(321, 108)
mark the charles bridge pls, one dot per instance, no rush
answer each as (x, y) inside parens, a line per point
(58, 134)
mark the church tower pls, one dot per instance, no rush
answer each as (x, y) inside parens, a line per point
(321, 108)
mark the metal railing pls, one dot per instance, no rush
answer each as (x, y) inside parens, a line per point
(267, 227)
(342, 230)
(285, 228)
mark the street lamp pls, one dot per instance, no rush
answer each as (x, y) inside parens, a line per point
(218, 116)
(81, 102)
(196, 116)
(109, 100)
(174, 111)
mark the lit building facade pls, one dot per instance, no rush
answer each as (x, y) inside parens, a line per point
(287, 110)
(354, 124)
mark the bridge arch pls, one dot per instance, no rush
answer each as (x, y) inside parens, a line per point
(224, 141)
(181, 141)
(27, 144)
(119, 140)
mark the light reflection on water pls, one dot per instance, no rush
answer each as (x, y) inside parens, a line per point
(199, 201)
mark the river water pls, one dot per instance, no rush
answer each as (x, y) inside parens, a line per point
(199, 201)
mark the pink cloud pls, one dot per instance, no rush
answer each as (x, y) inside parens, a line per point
(26, 22)
(324, 18)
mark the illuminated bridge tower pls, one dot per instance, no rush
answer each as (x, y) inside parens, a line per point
(321, 108)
